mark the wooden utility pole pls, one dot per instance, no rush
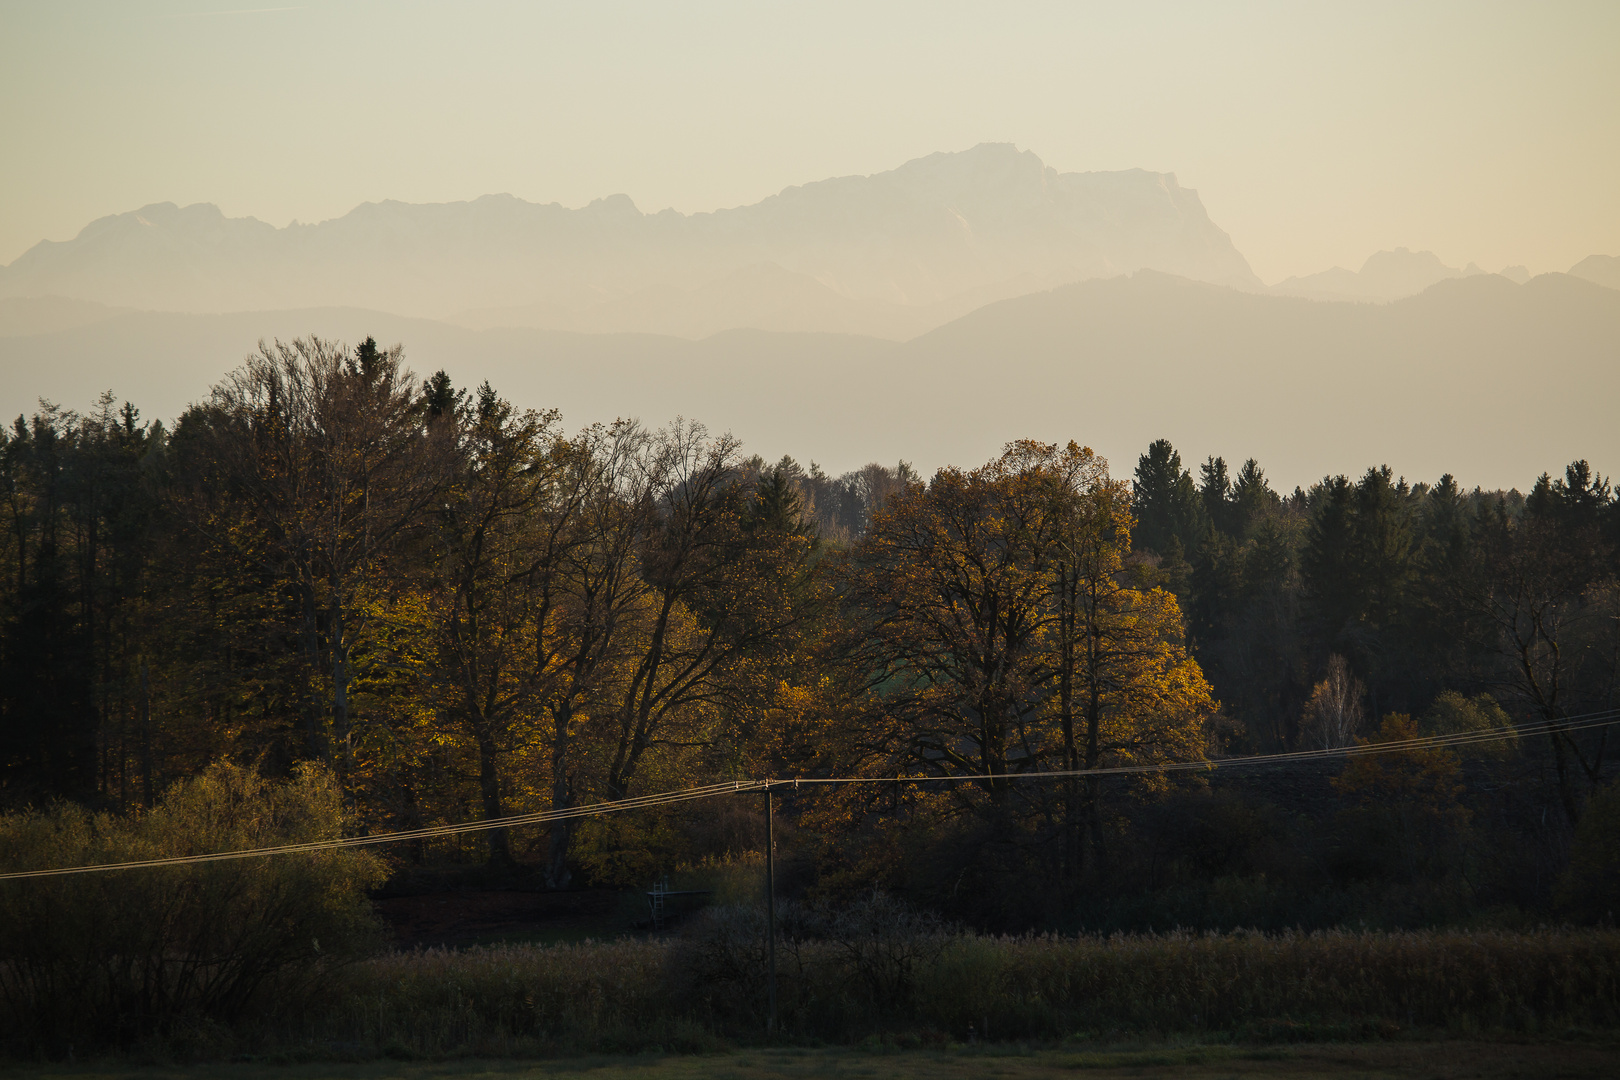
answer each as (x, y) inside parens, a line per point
(770, 909)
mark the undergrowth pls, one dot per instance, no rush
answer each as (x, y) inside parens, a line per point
(929, 987)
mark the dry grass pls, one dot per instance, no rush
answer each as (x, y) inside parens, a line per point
(1374, 982)
(902, 983)
(706, 991)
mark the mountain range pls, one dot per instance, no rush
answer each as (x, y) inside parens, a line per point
(931, 312)
(889, 255)
(1385, 276)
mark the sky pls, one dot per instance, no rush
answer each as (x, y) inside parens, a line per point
(1315, 133)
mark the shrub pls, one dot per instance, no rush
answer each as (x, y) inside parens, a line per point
(719, 964)
(109, 958)
(839, 973)
(1453, 714)
(888, 945)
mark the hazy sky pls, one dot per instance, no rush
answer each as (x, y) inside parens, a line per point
(1315, 133)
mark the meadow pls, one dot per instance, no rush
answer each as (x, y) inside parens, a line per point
(282, 959)
(882, 982)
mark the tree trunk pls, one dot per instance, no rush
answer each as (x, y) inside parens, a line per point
(500, 845)
(562, 796)
(340, 680)
(146, 737)
(1093, 810)
(1071, 784)
(1566, 788)
(314, 733)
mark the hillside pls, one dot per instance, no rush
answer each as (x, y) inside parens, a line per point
(1480, 376)
(1599, 269)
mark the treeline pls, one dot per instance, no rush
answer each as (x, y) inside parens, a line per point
(463, 610)
(1327, 609)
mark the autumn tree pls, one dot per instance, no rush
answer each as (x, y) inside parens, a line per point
(1413, 794)
(305, 468)
(722, 564)
(1334, 716)
(1128, 691)
(1001, 631)
(591, 593)
(491, 548)
(953, 581)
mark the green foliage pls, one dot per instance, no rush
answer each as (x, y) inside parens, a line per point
(1453, 714)
(1359, 564)
(1215, 493)
(93, 959)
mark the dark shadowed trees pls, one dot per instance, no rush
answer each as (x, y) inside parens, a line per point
(1169, 514)
(306, 468)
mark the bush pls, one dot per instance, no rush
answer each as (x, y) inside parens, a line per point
(1453, 714)
(720, 962)
(888, 945)
(110, 958)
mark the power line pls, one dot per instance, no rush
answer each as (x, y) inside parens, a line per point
(1569, 725)
(1544, 727)
(538, 818)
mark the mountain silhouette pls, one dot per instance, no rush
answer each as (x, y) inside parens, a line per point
(1386, 275)
(1599, 269)
(890, 254)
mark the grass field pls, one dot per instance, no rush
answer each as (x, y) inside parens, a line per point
(1419, 1061)
(699, 995)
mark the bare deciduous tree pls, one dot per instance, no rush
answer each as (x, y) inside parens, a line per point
(1334, 716)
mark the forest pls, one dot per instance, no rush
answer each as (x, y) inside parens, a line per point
(457, 608)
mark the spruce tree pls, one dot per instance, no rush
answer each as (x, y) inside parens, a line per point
(1165, 502)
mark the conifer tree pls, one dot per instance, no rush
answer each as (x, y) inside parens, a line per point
(1165, 501)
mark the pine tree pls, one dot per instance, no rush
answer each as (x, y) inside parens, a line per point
(1165, 501)
(1215, 492)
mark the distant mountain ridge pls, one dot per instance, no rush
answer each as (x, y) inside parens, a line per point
(889, 254)
(1473, 376)
(1385, 276)
(1599, 269)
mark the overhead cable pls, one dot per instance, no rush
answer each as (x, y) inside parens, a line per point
(1564, 726)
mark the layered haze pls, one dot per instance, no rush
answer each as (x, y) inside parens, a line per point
(931, 312)
(1480, 376)
(892, 254)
